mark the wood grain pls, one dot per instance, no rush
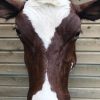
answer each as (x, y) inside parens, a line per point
(74, 82)
(14, 44)
(89, 30)
(18, 57)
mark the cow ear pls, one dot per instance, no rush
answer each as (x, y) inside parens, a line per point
(17, 3)
(90, 10)
(10, 8)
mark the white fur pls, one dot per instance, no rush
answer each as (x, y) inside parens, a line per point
(49, 2)
(45, 16)
(46, 93)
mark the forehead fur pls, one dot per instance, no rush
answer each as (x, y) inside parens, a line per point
(46, 18)
(49, 2)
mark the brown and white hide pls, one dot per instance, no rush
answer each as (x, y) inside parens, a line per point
(48, 30)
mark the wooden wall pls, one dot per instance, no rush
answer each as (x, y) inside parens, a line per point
(84, 82)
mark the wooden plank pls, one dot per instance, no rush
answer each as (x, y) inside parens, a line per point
(81, 44)
(6, 91)
(79, 77)
(11, 21)
(13, 69)
(88, 45)
(79, 70)
(14, 81)
(80, 1)
(84, 82)
(7, 30)
(83, 99)
(90, 30)
(86, 70)
(11, 57)
(11, 44)
(13, 98)
(85, 93)
(88, 57)
(74, 82)
(82, 57)
(90, 22)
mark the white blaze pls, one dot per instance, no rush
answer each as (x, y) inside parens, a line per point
(46, 93)
(45, 16)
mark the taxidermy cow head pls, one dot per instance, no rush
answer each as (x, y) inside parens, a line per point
(48, 30)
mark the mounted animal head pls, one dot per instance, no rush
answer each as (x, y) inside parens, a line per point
(61, 51)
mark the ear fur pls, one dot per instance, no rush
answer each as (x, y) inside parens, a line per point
(89, 10)
(10, 8)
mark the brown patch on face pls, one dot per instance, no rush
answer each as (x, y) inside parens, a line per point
(34, 54)
(61, 55)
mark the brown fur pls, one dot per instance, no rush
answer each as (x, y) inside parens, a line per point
(34, 54)
(60, 55)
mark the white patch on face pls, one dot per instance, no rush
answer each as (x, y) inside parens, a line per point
(45, 18)
(46, 93)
